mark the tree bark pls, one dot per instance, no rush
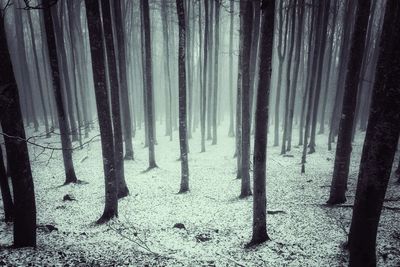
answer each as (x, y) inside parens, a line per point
(17, 151)
(70, 176)
(261, 122)
(343, 148)
(103, 110)
(380, 143)
(246, 11)
(182, 98)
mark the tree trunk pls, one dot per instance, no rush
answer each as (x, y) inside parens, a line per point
(103, 110)
(261, 123)
(231, 120)
(123, 82)
(70, 176)
(343, 148)
(204, 87)
(216, 78)
(149, 82)
(182, 98)
(115, 100)
(24, 210)
(246, 11)
(380, 143)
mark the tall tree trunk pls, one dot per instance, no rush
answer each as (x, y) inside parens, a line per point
(261, 123)
(296, 71)
(115, 100)
(103, 110)
(149, 82)
(246, 11)
(70, 176)
(231, 119)
(216, 78)
(12, 124)
(282, 45)
(123, 82)
(167, 73)
(40, 78)
(321, 54)
(204, 88)
(380, 143)
(182, 98)
(343, 148)
(288, 72)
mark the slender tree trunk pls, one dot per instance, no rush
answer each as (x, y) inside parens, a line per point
(246, 11)
(167, 74)
(182, 98)
(231, 119)
(204, 89)
(216, 77)
(123, 82)
(70, 176)
(261, 123)
(343, 148)
(149, 82)
(40, 78)
(380, 143)
(103, 110)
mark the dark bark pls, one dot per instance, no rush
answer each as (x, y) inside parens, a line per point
(115, 99)
(149, 82)
(8, 204)
(343, 148)
(296, 72)
(288, 73)
(16, 149)
(261, 123)
(380, 144)
(322, 34)
(246, 11)
(123, 82)
(182, 98)
(70, 176)
(103, 110)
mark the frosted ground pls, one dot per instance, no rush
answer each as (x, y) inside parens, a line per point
(217, 224)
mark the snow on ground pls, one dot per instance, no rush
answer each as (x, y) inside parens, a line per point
(218, 224)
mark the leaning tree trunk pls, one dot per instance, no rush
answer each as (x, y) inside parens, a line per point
(343, 148)
(380, 144)
(246, 10)
(261, 123)
(103, 110)
(182, 98)
(70, 176)
(17, 150)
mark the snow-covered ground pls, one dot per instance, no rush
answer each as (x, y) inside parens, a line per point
(218, 224)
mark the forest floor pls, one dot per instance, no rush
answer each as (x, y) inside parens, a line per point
(217, 223)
